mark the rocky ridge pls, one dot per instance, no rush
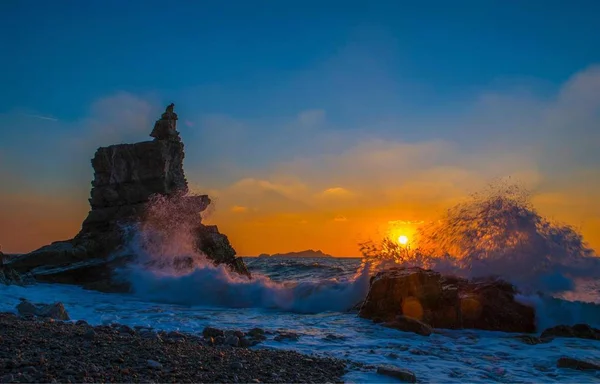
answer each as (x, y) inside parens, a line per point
(126, 179)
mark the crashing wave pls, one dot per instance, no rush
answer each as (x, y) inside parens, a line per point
(497, 232)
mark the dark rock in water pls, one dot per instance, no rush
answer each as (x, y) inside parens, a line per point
(408, 324)
(54, 311)
(209, 332)
(581, 331)
(401, 374)
(446, 302)
(127, 177)
(253, 337)
(281, 335)
(581, 365)
(532, 340)
(232, 341)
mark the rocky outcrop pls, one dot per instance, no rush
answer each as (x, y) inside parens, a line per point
(580, 331)
(54, 311)
(446, 302)
(8, 276)
(127, 177)
(580, 365)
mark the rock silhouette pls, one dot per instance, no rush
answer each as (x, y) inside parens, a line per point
(126, 179)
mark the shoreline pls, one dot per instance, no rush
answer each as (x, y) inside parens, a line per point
(47, 350)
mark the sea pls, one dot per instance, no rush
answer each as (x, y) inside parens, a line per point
(498, 234)
(314, 298)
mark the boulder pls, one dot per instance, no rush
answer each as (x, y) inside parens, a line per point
(581, 365)
(128, 178)
(581, 331)
(8, 276)
(54, 311)
(401, 374)
(446, 302)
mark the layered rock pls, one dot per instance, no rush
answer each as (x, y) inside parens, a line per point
(126, 178)
(8, 276)
(446, 302)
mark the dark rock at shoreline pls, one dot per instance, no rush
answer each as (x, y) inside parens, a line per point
(533, 340)
(581, 331)
(446, 302)
(407, 324)
(35, 351)
(284, 335)
(126, 179)
(403, 375)
(54, 311)
(8, 276)
(581, 365)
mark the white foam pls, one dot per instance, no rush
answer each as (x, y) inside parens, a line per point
(449, 357)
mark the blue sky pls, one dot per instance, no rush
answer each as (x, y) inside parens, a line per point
(257, 58)
(287, 96)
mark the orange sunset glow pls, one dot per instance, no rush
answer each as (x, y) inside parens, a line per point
(299, 221)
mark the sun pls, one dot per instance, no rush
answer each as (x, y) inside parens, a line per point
(403, 240)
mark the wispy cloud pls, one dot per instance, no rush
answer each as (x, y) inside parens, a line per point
(49, 118)
(239, 209)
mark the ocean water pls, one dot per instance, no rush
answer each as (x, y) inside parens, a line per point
(494, 233)
(311, 297)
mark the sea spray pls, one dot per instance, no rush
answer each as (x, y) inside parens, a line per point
(497, 232)
(170, 268)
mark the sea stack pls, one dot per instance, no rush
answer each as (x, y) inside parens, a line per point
(126, 178)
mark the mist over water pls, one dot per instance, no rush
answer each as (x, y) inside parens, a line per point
(170, 269)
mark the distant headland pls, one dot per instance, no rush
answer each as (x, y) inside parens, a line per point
(309, 253)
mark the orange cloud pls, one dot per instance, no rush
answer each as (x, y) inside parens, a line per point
(239, 209)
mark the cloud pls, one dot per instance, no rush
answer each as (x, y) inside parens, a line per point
(340, 218)
(395, 181)
(337, 192)
(239, 209)
(42, 117)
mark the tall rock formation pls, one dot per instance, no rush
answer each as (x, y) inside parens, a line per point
(127, 177)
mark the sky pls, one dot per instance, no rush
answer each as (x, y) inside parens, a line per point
(310, 124)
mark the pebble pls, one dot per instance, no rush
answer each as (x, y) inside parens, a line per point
(154, 364)
(69, 357)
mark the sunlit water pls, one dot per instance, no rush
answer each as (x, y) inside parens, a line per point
(450, 356)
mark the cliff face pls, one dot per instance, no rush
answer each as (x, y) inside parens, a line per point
(126, 178)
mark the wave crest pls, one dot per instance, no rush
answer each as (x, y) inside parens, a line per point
(496, 232)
